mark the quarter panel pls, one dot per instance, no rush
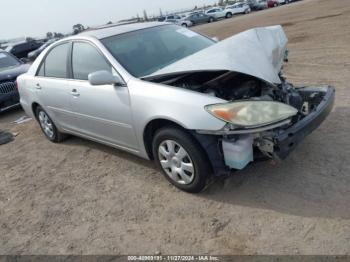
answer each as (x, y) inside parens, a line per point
(27, 93)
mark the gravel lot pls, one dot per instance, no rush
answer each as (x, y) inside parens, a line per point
(80, 197)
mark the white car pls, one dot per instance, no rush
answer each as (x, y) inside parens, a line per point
(238, 8)
(217, 12)
(178, 20)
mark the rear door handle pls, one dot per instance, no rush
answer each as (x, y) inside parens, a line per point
(74, 93)
(38, 86)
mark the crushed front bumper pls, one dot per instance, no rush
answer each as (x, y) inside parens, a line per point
(286, 141)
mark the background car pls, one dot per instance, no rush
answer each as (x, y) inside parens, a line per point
(217, 12)
(272, 3)
(10, 69)
(21, 49)
(199, 18)
(238, 8)
(34, 54)
(176, 19)
(257, 5)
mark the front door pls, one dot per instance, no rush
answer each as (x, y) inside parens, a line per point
(103, 111)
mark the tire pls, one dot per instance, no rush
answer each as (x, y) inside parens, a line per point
(180, 154)
(211, 20)
(228, 15)
(184, 25)
(48, 127)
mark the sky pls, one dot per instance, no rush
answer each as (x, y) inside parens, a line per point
(36, 17)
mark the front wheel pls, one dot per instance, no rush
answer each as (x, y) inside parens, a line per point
(184, 25)
(211, 19)
(228, 15)
(181, 159)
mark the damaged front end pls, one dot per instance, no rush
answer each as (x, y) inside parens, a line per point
(284, 115)
(239, 145)
(266, 117)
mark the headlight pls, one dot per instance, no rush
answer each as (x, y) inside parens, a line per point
(251, 113)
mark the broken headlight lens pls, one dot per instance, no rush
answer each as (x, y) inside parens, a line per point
(252, 113)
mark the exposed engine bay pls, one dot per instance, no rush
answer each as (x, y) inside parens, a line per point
(232, 86)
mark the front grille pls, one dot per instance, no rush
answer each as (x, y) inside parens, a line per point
(7, 87)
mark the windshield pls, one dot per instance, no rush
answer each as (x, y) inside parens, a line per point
(7, 60)
(143, 52)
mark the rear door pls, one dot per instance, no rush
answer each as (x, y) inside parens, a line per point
(103, 111)
(52, 89)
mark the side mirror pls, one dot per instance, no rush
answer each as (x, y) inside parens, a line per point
(104, 78)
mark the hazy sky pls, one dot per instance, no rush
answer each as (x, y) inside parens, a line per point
(36, 17)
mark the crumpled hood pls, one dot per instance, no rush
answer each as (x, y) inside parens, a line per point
(257, 52)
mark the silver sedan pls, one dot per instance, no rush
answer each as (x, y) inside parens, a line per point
(195, 106)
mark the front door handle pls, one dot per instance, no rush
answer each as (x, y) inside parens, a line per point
(74, 93)
(38, 86)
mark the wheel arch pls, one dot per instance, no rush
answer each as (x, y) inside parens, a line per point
(34, 107)
(152, 127)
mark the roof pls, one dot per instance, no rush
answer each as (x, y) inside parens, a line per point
(112, 30)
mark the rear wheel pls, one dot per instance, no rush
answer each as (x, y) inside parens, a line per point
(181, 159)
(48, 127)
(184, 25)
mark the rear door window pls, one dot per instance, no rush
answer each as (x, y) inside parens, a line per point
(55, 63)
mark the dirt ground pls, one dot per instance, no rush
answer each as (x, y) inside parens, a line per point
(80, 197)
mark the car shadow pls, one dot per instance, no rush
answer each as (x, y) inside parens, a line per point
(81, 142)
(314, 181)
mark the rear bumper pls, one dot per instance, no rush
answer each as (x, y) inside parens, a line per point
(286, 141)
